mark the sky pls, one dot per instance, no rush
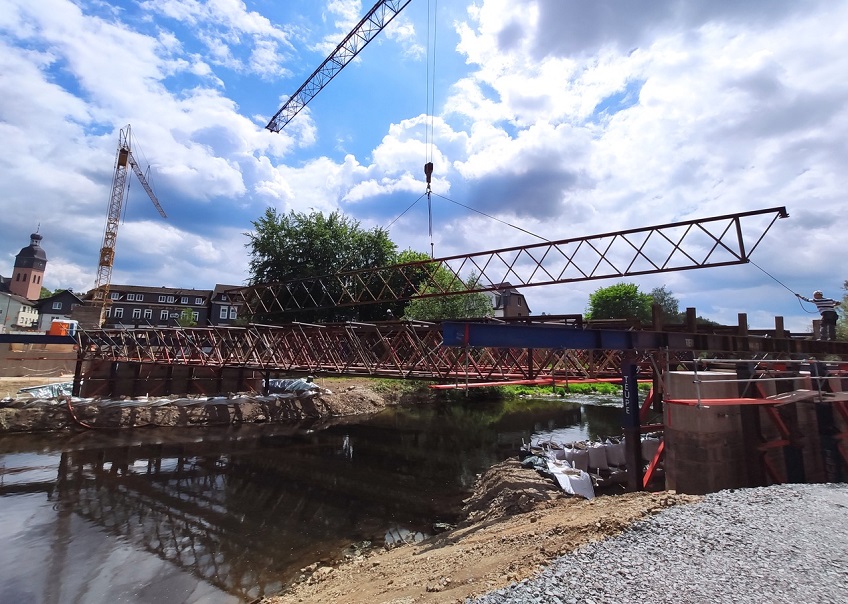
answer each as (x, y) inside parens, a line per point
(544, 119)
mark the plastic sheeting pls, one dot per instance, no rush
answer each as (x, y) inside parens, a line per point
(298, 387)
(571, 480)
(49, 390)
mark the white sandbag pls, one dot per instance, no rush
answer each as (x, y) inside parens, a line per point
(579, 459)
(598, 457)
(650, 445)
(615, 453)
(558, 454)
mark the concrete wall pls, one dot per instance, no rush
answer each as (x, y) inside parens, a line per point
(704, 449)
(36, 360)
(709, 448)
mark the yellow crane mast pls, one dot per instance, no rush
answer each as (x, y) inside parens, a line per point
(124, 159)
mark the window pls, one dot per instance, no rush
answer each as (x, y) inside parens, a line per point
(57, 305)
(195, 316)
(224, 312)
(223, 297)
(170, 299)
(184, 300)
(163, 315)
(148, 313)
(130, 297)
(108, 312)
(233, 312)
(198, 300)
(139, 297)
(161, 298)
(136, 313)
(18, 277)
(114, 296)
(119, 313)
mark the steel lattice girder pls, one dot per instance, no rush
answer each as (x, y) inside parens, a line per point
(396, 349)
(451, 350)
(703, 243)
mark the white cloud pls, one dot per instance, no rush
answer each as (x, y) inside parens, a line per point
(565, 119)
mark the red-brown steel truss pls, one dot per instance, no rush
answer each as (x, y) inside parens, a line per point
(709, 242)
(398, 349)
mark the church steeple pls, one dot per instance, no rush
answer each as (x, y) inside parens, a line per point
(29, 270)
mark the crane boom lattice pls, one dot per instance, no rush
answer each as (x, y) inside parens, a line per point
(380, 15)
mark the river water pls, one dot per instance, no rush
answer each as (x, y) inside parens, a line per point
(226, 515)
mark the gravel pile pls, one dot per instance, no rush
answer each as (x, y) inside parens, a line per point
(783, 543)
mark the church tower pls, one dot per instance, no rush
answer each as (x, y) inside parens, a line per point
(29, 270)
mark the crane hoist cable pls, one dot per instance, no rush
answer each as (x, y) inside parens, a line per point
(431, 110)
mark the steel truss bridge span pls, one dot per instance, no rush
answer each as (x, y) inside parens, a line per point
(451, 351)
(709, 242)
(397, 349)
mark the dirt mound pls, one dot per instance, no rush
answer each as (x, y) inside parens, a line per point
(506, 489)
(518, 521)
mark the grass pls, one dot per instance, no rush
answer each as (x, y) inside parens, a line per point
(398, 388)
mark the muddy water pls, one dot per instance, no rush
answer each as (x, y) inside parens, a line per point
(227, 515)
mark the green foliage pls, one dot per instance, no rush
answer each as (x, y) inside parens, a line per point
(186, 318)
(287, 247)
(460, 306)
(512, 391)
(620, 301)
(46, 293)
(669, 305)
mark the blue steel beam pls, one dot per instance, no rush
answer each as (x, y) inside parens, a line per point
(485, 335)
(20, 338)
(494, 335)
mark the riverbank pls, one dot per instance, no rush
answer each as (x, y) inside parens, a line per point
(515, 522)
(337, 397)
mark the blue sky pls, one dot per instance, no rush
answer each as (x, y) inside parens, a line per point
(565, 118)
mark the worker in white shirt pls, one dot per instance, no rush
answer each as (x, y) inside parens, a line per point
(827, 308)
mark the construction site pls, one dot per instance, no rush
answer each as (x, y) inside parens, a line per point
(226, 451)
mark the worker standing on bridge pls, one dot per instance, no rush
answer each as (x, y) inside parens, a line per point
(827, 308)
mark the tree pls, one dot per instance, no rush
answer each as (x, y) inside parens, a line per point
(669, 305)
(286, 247)
(842, 322)
(460, 306)
(620, 301)
(186, 318)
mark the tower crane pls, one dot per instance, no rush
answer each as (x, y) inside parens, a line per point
(380, 15)
(123, 159)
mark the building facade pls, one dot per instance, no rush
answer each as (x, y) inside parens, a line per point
(508, 301)
(58, 306)
(224, 309)
(132, 306)
(17, 314)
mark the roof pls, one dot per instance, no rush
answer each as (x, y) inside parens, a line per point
(33, 250)
(174, 291)
(19, 299)
(221, 288)
(62, 294)
(505, 286)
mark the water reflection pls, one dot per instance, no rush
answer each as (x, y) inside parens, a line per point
(231, 514)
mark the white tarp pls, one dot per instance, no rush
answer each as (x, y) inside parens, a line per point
(571, 480)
